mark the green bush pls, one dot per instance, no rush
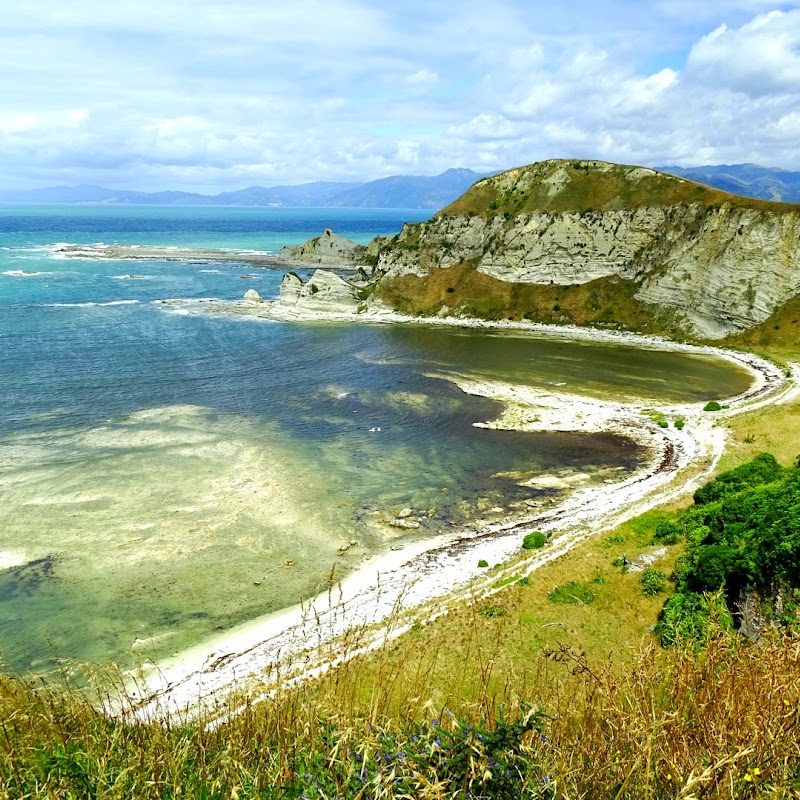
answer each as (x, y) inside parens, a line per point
(483, 563)
(762, 469)
(679, 423)
(667, 532)
(663, 424)
(534, 540)
(688, 616)
(713, 405)
(653, 582)
(741, 532)
(571, 594)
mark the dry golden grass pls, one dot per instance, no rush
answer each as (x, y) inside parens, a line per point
(605, 301)
(716, 722)
(593, 187)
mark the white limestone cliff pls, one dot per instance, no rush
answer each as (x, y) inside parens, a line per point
(723, 266)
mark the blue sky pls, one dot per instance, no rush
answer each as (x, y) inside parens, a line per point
(204, 95)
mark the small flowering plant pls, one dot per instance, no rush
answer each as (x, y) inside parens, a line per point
(465, 761)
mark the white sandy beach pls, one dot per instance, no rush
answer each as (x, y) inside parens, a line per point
(425, 578)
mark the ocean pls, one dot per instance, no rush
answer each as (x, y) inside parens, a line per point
(166, 476)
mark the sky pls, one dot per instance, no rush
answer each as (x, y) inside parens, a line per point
(206, 95)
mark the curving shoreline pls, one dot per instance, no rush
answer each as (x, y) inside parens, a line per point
(429, 575)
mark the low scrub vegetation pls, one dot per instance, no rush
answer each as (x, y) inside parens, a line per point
(534, 540)
(742, 561)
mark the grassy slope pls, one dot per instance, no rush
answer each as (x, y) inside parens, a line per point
(593, 186)
(603, 302)
(777, 337)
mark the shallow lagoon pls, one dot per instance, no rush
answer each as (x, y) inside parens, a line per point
(165, 476)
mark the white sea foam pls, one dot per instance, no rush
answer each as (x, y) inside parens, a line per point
(21, 273)
(132, 277)
(89, 305)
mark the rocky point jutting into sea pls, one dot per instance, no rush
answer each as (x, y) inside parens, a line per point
(588, 242)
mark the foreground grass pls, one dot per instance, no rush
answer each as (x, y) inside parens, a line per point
(719, 721)
(511, 696)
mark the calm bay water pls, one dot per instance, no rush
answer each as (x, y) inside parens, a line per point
(165, 476)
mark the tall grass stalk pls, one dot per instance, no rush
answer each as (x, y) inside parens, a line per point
(716, 722)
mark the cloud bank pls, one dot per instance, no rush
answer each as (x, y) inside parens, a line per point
(207, 96)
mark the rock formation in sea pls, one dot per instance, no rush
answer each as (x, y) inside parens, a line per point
(323, 291)
(329, 249)
(252, 296)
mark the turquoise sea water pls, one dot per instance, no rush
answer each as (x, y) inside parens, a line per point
(164, 476)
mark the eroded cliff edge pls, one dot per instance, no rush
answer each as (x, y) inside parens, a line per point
(590, 242)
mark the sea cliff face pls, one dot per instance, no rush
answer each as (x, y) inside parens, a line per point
(719, 262)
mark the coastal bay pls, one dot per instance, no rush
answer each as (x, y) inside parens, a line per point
(160, 466)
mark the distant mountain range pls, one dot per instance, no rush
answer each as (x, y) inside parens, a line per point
(399, 191)
(746, 179)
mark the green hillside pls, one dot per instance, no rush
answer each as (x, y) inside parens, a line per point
(577, 186)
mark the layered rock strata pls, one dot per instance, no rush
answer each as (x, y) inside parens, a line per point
(323, 291)
(721, 262)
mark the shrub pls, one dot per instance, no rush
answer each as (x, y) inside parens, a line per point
(571, 594)
(714, 564)
(762, 469)
(688, 616)
(556, 307)
(620, 561)
(667, 532)
(653, 582)
(534, 540)
(713, 405)
(663, 424)
(483, 563)
(679, 423)
(491, 611)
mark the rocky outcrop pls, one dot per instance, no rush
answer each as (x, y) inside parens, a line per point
(323, 291)
(329, 249)
(722, 263)
(252, 296)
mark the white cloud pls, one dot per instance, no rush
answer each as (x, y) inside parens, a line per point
(423, 77)
(758, 59)
(200, 95)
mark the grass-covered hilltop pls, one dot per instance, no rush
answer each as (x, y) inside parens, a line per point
(588, 242)
(658, 659)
